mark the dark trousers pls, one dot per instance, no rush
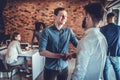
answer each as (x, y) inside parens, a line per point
(55, 74)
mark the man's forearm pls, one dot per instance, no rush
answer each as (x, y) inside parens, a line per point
(50, 54)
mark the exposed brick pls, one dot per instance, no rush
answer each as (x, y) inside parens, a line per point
(21, 14)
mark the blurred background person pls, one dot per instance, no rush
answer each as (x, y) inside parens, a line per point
(111, 31)
(39, 26)
(13, 50)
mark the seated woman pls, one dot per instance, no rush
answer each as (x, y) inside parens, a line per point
(13, 50)
(39, 26)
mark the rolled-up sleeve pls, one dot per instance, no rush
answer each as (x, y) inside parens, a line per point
(43, 40)
(73, 38)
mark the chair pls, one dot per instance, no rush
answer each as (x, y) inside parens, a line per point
(4, 67)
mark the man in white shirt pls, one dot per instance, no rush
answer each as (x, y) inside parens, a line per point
(92, 48)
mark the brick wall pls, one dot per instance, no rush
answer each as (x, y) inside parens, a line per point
(22, 14)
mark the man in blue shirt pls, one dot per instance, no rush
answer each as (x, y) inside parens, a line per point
(54, 46)
(112, 34)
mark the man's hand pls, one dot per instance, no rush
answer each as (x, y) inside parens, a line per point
(67, 57)
(74, 55)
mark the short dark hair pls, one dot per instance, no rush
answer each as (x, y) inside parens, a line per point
(110, 15)
(95, 10)
(15, 34)
(56, 11)
(38, 25)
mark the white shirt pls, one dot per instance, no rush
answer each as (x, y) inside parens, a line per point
(92, 49)
(12, 52)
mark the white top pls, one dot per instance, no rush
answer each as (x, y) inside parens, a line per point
(92, 49)
(12, 52)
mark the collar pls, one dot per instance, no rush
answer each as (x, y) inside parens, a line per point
(55, 28)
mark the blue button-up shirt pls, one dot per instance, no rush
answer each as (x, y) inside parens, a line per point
(56, 41)
(112, 34)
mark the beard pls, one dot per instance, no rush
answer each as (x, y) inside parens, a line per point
(84, 23)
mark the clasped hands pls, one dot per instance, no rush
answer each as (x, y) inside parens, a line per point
(68, 56)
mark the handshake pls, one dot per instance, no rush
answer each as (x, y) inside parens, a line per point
(68, 56)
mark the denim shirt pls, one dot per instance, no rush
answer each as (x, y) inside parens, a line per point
(56, 41)
(112, 35)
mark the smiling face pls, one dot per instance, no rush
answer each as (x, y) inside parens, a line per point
(61, 17)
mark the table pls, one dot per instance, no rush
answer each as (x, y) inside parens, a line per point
(37, 61)
(3, 47)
